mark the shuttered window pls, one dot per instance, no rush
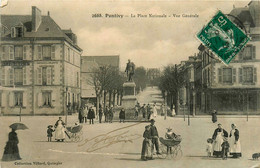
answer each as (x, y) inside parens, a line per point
(39, 51)
(18, 99)
(227, 75)
(220, 75)
(248, 75)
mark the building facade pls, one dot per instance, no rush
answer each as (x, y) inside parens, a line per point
(43, 61)
(235, 88)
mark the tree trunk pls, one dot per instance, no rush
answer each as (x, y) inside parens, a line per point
(105, 95)
(117, 100)
(121, 95)
(114, 99)
(177, 104)
(110, 96)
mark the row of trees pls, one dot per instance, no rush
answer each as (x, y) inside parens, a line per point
(108, 80)
(170, 82)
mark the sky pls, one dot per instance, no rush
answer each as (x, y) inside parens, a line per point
(149, 42)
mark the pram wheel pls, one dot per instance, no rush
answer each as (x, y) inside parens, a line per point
(177, 152)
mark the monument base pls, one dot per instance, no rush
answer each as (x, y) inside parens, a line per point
(129, 102)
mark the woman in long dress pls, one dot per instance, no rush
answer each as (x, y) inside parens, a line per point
(218, 135)
(146, 153)
(235, 147)
(60, 130)
(11, 151)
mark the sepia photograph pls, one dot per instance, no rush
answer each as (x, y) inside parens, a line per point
(129, 84)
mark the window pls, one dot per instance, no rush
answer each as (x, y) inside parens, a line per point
(46, 97)
(18, 76)
(248, 74)
(227, 75)
(46, 52)
(247, 53)
(18, 99)
(46, 75)
(18, 52)
(69, 54)
(17, 31)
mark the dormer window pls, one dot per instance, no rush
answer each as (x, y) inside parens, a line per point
(17, 31)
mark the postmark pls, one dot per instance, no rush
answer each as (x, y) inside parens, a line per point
(223, 37)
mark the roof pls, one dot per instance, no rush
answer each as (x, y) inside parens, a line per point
(243, 14)
(88, 66)
(47, 28)
(112, 60)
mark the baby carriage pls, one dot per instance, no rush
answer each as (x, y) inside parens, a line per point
(174, 148)
(74, 133)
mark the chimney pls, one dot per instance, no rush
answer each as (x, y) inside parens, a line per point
(36, 18)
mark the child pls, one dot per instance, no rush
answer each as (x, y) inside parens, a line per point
(170, 135)
(147, 142)
(49, 132)
(209, 147)
(225, 148)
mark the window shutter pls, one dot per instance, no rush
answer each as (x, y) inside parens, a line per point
(3, 99)
(28, 76)
(11, 76)
(54, 99)
(39, 49)
(253, 52)
(24, 52)
(25, 98)
(255, 75)
(39, 76)
(24, 76)
(13, 32)
(240, 75)
(220, 75)
(240, 55)
(48, 73)
(3, 56)
(53, 75)
(53, 49)
(234, 75)
(11, 52)
(11, 99)
(3, 75)
(40, 99)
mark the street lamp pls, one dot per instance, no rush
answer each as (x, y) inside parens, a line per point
(97, 88)
(181, 103)
(21, 104)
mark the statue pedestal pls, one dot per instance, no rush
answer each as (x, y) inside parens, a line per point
(129, 97)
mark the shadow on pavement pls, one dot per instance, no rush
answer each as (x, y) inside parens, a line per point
(128, 159)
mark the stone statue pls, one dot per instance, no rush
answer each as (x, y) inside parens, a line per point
(130, 70)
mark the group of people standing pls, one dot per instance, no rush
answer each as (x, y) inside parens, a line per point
(151, 139)
(221, 145)
(149, 111)
(85, 113)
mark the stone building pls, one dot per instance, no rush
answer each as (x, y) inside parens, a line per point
(235, 89)
(42, 61)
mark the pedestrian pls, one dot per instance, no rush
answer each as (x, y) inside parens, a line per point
(85, 113)
(209, 147)
(235, 147)
(225, 148)
(146, 153)
(122, 115)
(155, 136)
(59, 130)
(11, 151)
(106, 113)
(154, 110)
(173, 111)
(214, 116)
(143, 110)
(91, 115)
(49, 132)
(80, 115)
(100, 114)
(136, 111)
(218, 135)
(148, 109)
(111, 114)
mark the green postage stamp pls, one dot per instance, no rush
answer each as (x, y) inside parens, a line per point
(223, 37)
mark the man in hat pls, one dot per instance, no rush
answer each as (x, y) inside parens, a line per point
(155, 136)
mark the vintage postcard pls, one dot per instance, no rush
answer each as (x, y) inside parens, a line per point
(134, 83)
